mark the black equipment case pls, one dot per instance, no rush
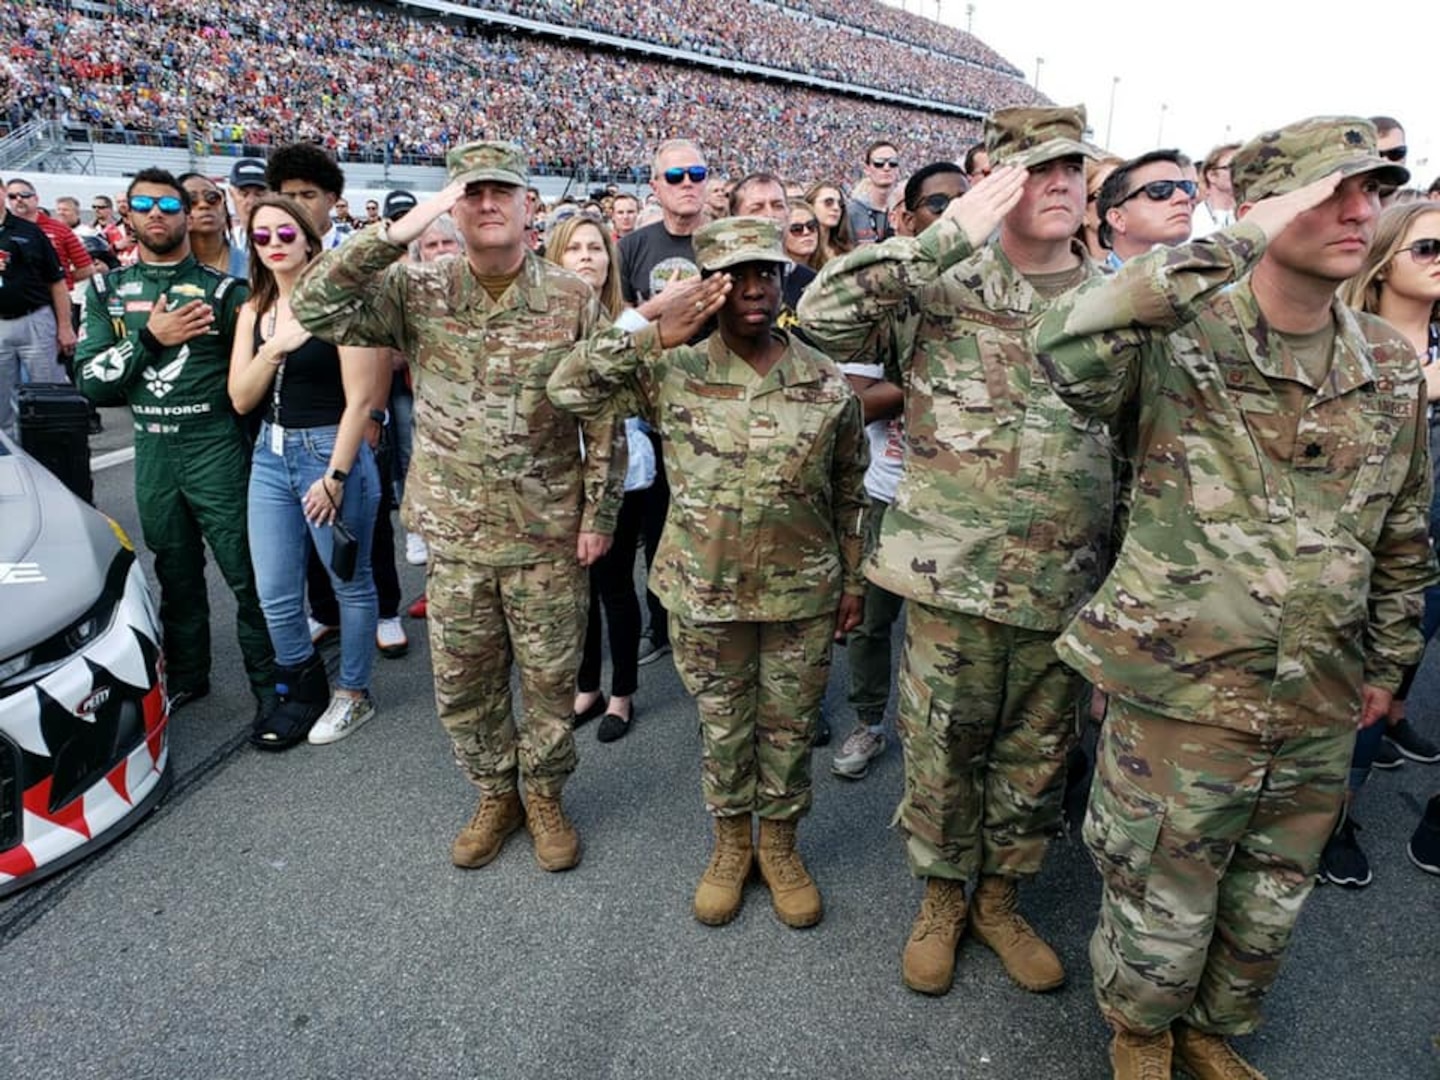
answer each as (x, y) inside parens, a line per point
(54, 425)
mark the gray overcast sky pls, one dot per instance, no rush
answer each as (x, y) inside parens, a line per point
(1223, 70)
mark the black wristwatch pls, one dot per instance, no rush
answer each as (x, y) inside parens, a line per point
(380, 416)
(337, 474)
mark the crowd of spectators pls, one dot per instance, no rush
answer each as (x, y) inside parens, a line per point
(368, 84)
(859, 46)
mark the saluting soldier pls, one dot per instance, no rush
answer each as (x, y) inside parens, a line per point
(998, 531)
(1267, 595)
(497, 484)
(759, 563)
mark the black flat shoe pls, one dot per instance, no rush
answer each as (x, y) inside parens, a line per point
(614, 726)
(597, 708)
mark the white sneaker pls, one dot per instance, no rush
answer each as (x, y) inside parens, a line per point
(416, 553)
(860, 747)
(342, 716)
(318, 630)
(390, 638)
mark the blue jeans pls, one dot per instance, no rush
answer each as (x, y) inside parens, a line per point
(277, 528)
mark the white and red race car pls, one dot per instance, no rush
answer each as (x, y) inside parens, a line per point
(83, 715)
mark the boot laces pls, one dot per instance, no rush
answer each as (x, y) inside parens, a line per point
(1150, 1056)
(940, 910)
(783, 860)
(547, 814)
(488, 812)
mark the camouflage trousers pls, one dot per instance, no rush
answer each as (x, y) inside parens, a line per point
(758, 687)
(483, 618)
(1207, 841)
(987, 716)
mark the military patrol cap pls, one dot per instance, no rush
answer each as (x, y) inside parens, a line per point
(500, 162)
(1031, 136)
(735, 240)
(1277, 162)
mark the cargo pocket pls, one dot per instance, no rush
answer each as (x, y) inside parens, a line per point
(1122, 829)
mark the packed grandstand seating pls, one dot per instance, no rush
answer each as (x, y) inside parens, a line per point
(371, 83)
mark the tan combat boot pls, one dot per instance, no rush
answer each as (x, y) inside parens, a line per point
(557, 845)
(996, 924)
(792, 892)
(495, 818)
(722, 887)
(1210, 1057)
(1141, 1057)
(928, 965)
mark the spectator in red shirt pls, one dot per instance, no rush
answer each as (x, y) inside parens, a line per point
(74, 259)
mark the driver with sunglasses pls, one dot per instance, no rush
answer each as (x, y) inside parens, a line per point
(157, 337)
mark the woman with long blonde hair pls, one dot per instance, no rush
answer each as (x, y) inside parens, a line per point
(584, 247)
(1400, 282)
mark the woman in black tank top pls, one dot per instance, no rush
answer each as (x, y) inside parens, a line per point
(312, 476)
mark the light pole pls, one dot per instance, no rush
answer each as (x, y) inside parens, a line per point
(969, 18)
(1039, 63)
(1110, 117)
(1160, 131)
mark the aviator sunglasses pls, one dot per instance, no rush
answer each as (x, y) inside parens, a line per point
(800, 228)
(1161, 190)
(1424, 252)
(143, 204)
(285, 234)
(696, 173)
(209, 197)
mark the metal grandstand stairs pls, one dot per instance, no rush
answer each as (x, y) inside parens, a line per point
(41, 146)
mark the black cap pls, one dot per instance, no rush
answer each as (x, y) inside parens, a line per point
(248, 172)
(397, 205)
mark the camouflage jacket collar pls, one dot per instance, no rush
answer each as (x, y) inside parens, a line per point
(527, 290)
(795, 368)
(1351, 365)
(1004, 289)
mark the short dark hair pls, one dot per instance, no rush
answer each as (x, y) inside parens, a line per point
(1386, 124)
(870, 150)
(978, 148)
(160, 178)
(925, 172)
(304, 161)
(626, 195)
(752, 180)
(1434, 188)
(1117, 186)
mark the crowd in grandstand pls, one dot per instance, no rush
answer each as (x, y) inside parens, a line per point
(366, 82)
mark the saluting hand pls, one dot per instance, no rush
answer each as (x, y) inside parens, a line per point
(409, 227)
(1275, 214)
(981, 209)
(685, 307)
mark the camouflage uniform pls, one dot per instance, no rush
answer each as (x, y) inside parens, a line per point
(764, 532)
(998, 529)
(496, 485)
(1273, 562)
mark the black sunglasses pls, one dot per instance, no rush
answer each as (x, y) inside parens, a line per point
(885, 163)
(209, 198)
(696, 173)
(1395, 153)
(143, 204)
(1161, 190)
(21, 194)
(1424, 252)
(936, 203)
(800, 228)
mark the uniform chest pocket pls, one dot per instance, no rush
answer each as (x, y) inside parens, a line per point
(700, 425)
(805, 436)
(977, 383)
(1231, 477)
(1377, 467)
